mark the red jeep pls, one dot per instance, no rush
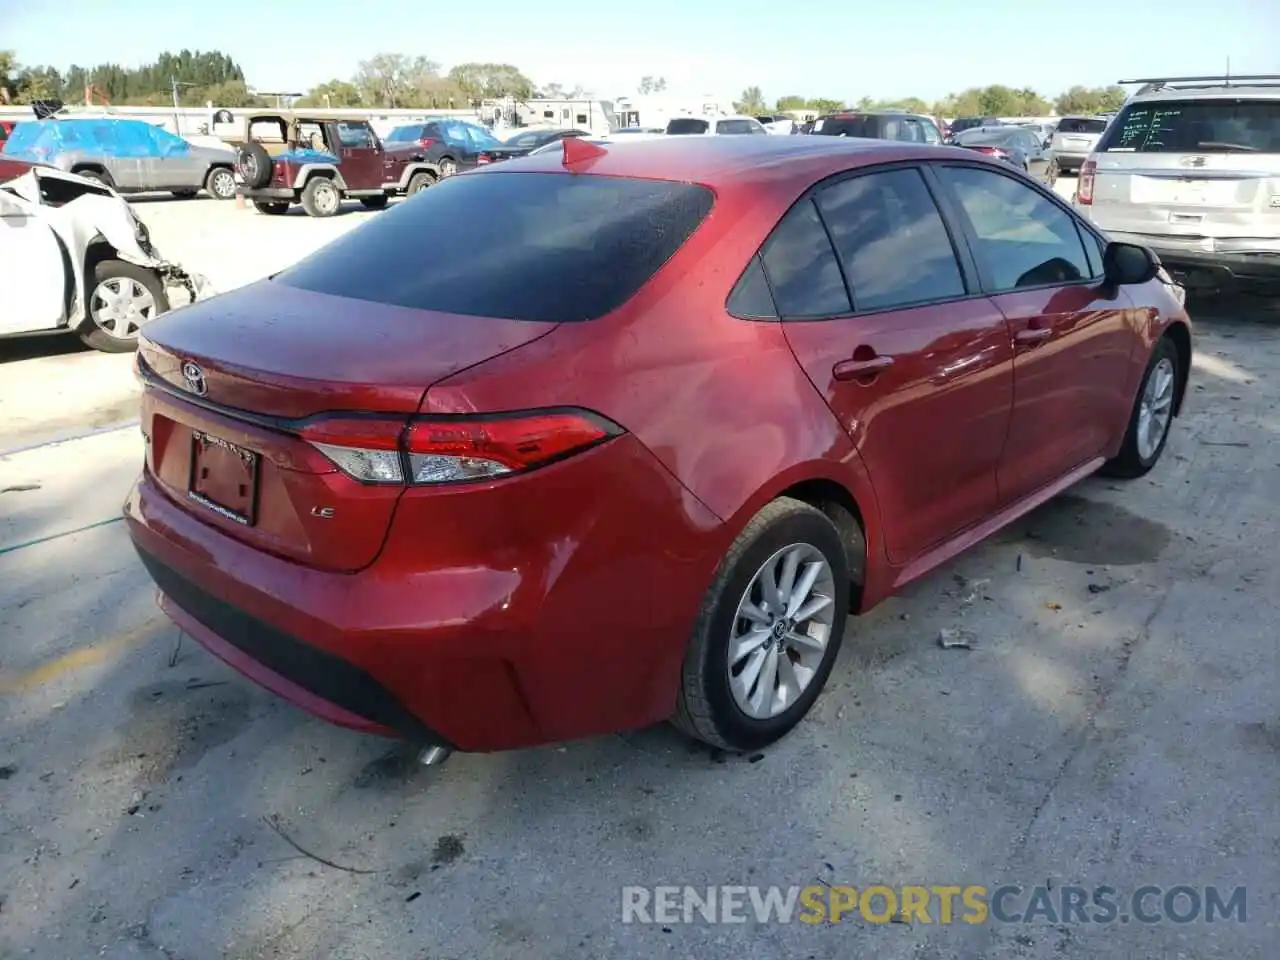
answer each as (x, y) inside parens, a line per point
(319, 161)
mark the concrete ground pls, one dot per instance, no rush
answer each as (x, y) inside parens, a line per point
(1116, 724)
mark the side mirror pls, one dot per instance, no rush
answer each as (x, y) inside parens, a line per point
(1126, 263)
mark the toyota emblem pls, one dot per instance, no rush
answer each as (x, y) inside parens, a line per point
(194, 378)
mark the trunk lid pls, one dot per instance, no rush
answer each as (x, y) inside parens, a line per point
(223, 434)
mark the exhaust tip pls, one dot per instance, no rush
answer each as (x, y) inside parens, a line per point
(434, 756)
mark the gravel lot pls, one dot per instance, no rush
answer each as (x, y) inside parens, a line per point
(1117, 724)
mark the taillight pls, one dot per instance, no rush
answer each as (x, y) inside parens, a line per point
(1084, 185)
(483, 158)
(453, 449)
(426, 142)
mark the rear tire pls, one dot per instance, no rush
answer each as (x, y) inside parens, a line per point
(374, 203)
(419, 182)
(448, 167)
(1152, 415)
(116, 308)
(272, 208)
(713, 687)
(321, 197)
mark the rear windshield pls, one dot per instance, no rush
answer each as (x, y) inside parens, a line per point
(555, 247)
(734, 126)
(688, 125)
(1081, 125)
(848, 127)
(1196, 126)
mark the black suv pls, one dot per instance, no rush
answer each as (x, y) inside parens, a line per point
(875, 125)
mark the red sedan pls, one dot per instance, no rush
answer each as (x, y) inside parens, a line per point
(635, 442)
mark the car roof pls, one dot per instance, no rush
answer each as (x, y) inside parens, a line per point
(716, 160)
(297, 116)
(1215, 92)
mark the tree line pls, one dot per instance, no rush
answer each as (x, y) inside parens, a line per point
(991, 101)
(400, 80)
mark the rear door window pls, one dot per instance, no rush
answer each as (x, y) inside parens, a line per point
(1196, 126)
(687, 125)
(1022, 239)
(802, 267)
(891, 240)
(735, 126)
(847, 127)
(1081, 125)
(522, 246)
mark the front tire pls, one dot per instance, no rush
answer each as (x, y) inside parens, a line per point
(321, 197)
(123, 298)
(1152, 415)
(769, 629)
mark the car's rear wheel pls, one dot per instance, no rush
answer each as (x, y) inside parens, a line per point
(321, 197)
(448, 167)
(221, 184)
(1152, 415)
(123, 298)
(419, 182)
(272, 208)
(768, 631)
(374, 203)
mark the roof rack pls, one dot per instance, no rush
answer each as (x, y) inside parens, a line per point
(1151, 84)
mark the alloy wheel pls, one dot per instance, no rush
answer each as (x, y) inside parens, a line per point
(781, 631)
(1155, 408)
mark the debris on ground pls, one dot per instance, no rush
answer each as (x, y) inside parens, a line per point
(1099, 587)
(1223, 443)
(1053, 605)
(950, 638)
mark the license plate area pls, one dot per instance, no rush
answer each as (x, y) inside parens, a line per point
(224, 478)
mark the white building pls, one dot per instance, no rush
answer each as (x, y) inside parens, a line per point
(655, 109)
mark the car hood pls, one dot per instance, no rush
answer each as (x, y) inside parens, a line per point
(213, 153)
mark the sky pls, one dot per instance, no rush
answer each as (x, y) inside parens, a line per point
(815, 48)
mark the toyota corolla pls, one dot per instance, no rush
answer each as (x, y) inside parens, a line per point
(642, 436)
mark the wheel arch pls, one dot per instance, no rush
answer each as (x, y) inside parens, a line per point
(1180, 335)
(415, 168)
(326, 170)
(850, 504)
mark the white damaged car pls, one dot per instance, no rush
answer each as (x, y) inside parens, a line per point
(74, 256)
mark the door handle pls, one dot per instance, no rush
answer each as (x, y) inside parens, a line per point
(1033, 335)
(857, 369)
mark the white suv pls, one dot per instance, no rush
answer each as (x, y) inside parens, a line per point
(1191, 169)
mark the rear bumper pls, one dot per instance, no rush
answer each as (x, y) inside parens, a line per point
(271, 193)
(1068, 160)
(566, 619)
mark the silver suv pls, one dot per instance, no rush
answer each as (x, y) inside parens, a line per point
(1074, 138)
(1191, 169)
